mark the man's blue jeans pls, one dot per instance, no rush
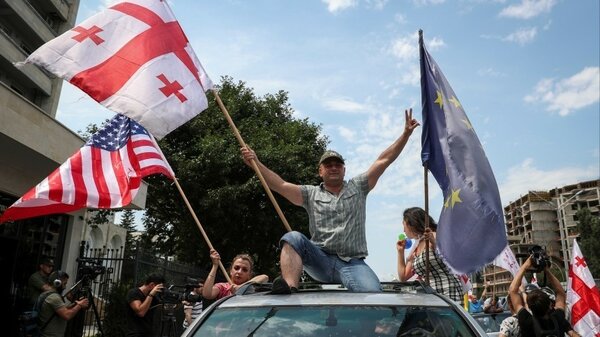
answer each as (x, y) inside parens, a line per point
(355, 274)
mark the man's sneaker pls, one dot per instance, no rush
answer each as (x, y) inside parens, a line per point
(280, 287)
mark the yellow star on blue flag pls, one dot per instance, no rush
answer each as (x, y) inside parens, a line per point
(453, 154)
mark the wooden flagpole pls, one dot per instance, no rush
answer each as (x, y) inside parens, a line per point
(254, 165)
(223, 270)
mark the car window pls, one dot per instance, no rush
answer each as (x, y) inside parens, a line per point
(491, 322)
(332, 321)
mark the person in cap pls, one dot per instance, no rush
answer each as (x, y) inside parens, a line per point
(54, 309)
(543, 320)
(38, 281)
(337, 212)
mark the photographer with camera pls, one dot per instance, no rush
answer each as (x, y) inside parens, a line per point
(544, 320)
(140, 304)
(54, 310)
(192, 301)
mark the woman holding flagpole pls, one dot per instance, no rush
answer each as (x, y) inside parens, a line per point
(241, 272)
(443, 280)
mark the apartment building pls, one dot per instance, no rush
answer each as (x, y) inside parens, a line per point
(548, 219)
(33, 144)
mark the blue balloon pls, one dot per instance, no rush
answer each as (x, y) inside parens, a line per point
(403, 237)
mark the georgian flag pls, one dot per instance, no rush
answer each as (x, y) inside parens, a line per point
(135, 59)
(583, 296)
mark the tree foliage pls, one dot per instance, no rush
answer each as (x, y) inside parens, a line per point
(128, 222)
(226, 195)
(588, 226)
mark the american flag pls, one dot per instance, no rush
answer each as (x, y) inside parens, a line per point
(105, 173)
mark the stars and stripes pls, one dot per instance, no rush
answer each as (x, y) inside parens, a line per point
(105, 173)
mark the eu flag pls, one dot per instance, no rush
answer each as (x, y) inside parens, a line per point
(471, 229)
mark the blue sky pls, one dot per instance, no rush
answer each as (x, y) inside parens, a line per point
(526, 73)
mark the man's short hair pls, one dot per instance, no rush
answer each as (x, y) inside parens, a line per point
(539, 303)
(156, 278)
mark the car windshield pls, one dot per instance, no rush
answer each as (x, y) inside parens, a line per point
(344, 321)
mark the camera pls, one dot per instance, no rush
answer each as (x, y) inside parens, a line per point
(90, 269)
(169, 296)
(539, 258)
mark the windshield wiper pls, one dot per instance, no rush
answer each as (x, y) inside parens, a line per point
(269, 314)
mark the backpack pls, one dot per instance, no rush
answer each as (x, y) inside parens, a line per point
(29, 321)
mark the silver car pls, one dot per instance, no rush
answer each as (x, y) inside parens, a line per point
(402, 309)
(491, 322)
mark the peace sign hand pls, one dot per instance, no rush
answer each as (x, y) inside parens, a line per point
(410, 123)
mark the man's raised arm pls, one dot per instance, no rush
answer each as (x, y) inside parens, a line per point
(387, 157)
(288, 190)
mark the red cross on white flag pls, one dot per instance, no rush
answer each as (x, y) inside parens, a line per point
(134, 59)
(583, 296)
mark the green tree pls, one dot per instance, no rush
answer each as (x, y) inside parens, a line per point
(128, 222)
(226, 195)
(588, 226)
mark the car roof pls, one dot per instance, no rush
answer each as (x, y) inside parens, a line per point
(335, 297)
(407, 293)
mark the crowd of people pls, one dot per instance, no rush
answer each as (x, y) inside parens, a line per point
(334, 253)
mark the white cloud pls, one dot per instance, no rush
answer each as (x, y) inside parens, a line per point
(428, 2)
(526, 177)
(491, 72)
(406, 48)
(569, 94)
(522, 36)
(344, 104)
(400, 18)
(339, 5)
(528, 9)
(376, 4)
(347, 133)
(435, 44)
(411, 76)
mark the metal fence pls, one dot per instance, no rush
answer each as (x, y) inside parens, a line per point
(100, 270)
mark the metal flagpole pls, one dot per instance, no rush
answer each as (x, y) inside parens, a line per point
(427, 264)
(426, 182)
(253, 162)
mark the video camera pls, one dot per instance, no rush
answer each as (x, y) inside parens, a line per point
(90, 269)
(169, 296)
(539, 258)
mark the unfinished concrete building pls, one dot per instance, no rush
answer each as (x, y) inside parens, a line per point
(547, 219)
